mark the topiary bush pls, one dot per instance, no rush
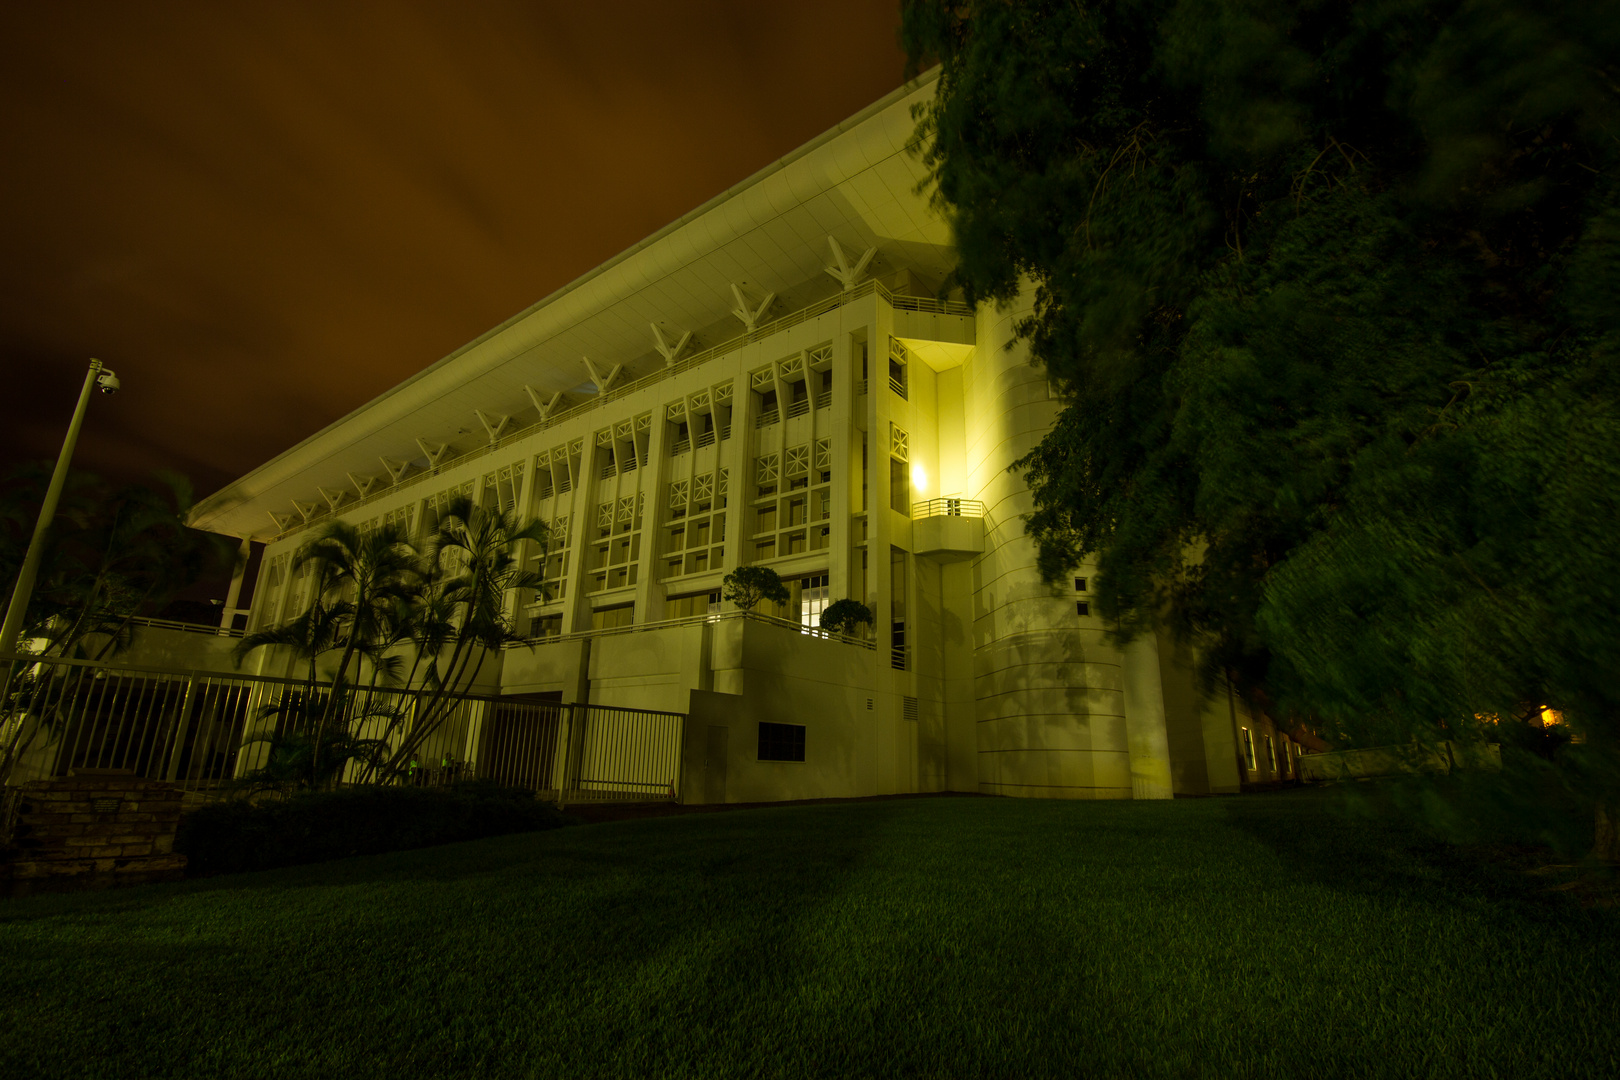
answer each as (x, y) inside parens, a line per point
(846, 617)
(232, 837)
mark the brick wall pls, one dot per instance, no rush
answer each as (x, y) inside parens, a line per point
(92, 830)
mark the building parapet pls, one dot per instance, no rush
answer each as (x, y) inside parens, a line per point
(690, 620)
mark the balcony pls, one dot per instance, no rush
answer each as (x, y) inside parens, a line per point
(948, 530)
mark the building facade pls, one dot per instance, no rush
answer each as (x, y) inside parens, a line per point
(773, 380)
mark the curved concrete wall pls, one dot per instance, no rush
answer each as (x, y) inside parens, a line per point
(1049, 690)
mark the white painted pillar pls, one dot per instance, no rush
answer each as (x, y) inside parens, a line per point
(227, 618)
(1145, 734)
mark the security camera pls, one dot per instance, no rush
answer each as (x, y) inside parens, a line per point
(108, 382)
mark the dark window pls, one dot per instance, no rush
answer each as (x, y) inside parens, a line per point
(781, 742)
(1079, 584)
(1082, 608)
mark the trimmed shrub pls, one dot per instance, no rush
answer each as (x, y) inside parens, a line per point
(231, 837)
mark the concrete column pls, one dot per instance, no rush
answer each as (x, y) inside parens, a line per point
(523, 511)
(651, 485)
(1145, 734)
(733, 456)
(227, 618)
(581, 532)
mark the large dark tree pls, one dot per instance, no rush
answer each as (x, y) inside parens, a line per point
(1331, 290)
(113, 552)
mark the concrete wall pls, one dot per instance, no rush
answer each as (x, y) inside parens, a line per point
(1050, 690)
(775, 675)
(179, 650)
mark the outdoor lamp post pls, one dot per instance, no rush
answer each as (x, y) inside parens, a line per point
(97, 376)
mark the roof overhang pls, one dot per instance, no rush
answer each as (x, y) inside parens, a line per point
(769, 234)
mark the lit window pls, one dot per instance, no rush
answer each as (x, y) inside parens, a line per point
(1248, 748)
(812, 600)
(1271, 754)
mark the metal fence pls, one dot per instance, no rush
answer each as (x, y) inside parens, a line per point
(216, 732)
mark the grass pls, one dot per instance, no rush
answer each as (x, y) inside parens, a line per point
(1260, 936)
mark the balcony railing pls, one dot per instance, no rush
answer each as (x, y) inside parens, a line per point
(704, 439)
(689, 620)
(897, 386)
(188, 627)
(767, 418)
(928, 508)
(682, 446)
(798, 408)
(824, 400)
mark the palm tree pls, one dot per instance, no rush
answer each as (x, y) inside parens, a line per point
(111, 553)
(471, 564)
(374, 592)
(364, 583)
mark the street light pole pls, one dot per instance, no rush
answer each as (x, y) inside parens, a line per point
(98, 375)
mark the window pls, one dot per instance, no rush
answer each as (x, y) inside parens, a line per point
(680, 607)
(1247, 747)
(897, 610)
(1271, 753)
(1284, 762)
(1079, 584)
(812, 600)
(1082, 608)
(781, 742)
(899, 487)
(609, 617)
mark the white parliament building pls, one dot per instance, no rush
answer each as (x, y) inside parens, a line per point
(773, 380)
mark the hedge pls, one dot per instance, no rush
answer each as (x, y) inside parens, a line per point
(235, 836)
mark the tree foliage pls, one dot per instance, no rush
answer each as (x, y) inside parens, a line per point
(113, 552)
(746, 586)
(1330, 291)
(378, 600)
(846, 617)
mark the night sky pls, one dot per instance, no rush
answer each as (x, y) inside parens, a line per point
(264, 215)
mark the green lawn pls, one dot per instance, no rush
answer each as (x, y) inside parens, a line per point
(1263, 936)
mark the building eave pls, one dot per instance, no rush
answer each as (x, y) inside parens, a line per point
(870, 138)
